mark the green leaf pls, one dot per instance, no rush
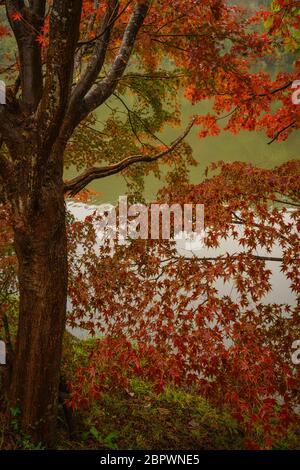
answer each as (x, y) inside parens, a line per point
(94, 432)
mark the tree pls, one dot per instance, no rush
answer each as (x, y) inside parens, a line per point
(201, 321)
(72, 56)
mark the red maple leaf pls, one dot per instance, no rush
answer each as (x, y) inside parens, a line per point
(41, 40)
(16, 16)
(3, 30)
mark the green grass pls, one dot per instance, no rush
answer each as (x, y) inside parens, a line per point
(143, 419)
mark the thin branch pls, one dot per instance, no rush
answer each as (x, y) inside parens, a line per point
(203, 259)
(96, 64)
(276, 90)
(239, 221)
(288, 203)
(155, 76)
(104, 30)
(169, 44)
(131, 112)
(77, 184)
(281, 131)
(104, 90)
(258, 257)
(174, 20)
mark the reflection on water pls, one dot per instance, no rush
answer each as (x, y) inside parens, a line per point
(251, 147)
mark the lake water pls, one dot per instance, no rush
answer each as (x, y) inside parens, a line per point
(279, 293)
(251, 147)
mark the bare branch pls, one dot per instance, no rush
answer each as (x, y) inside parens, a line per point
(81, 51)
(130, 113)
(77, 184)
(222, 258)
(96, 64)
(104, 90)
(98, 36)
(288, 203)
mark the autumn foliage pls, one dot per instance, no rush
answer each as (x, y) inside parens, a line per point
(166, 318)
(202, 322)
(217, 43)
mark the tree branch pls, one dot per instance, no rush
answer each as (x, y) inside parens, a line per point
(104, 90)
(81, 51)
(77, 184)
(26, 31)
(281, 131)
(96, 64)
(288, 203)
(98, 36)
(221, 258)
(63, 37)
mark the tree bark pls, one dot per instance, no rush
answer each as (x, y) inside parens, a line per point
(35, 125)
(41, 247)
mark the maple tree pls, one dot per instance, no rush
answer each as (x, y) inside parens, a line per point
(72, 57)
(183, 327)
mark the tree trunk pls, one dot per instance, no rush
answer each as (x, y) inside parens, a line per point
(40, 242)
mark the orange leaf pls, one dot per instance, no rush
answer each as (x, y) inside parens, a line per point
(16, 16)
(41, 40)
